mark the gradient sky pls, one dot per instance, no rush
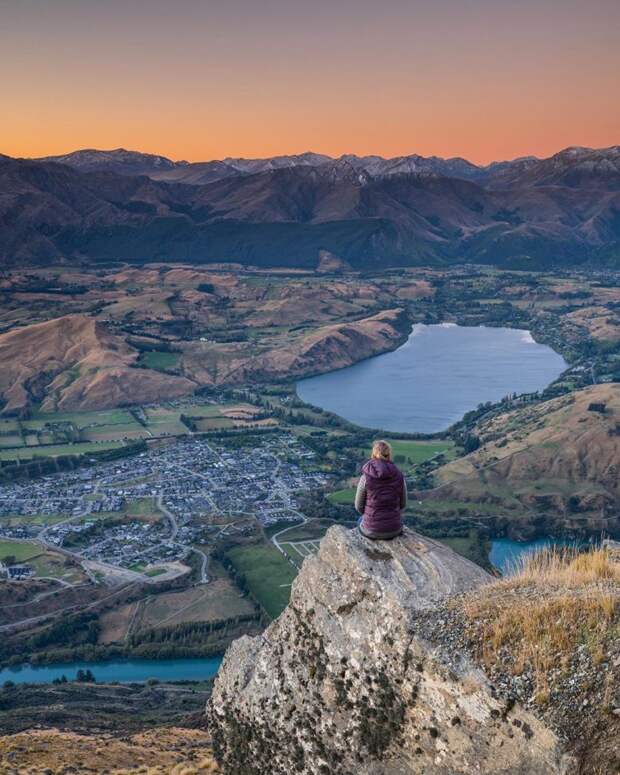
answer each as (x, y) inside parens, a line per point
(202, 79)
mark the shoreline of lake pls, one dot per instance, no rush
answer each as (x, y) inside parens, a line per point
(435, 377)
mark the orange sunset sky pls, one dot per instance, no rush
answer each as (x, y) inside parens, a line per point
(202, 79)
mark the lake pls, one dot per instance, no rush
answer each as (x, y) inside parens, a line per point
(506, 555)
(431, 381)
(128, 671)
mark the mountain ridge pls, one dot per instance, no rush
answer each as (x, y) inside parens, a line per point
(161, 167)
(560, 211)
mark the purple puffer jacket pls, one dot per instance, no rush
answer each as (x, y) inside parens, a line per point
(384, 497)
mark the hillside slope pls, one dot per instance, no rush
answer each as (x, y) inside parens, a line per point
(74, 362)
(325, 349)
(544, 467)
(77, 362)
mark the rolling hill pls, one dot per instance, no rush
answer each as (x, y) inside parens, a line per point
(74, 362)
(544, 467)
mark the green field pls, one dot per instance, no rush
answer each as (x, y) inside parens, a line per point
(214, 423)
(345, 496)
(11, 441)
(21, 550)
(165, 422)
(411, 453)
(41, 436)
(55, 566)
(161, 414)
(79, 419)
(141, 507)
(268, 575)
(55, 450)
(114, 431)
(203, 410)
(45, 428)
(45, 564)
(32, 519)
(159, 360)
(169, 427)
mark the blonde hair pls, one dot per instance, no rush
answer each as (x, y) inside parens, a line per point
(381, 450)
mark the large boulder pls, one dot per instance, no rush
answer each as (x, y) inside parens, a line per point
(345, 682)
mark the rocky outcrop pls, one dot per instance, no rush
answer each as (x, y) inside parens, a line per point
(346, 681)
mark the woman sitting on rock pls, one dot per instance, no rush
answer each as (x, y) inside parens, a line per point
(381, 495)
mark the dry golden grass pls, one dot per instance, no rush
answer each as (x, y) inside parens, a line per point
(535, 620)
(201, 768)
(546, 632)
(567, 568)
(161, 751)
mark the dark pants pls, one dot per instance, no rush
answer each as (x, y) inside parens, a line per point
(378, 536)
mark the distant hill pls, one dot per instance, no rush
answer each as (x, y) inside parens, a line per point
(121, 205)
(74, 362)
(545, 467)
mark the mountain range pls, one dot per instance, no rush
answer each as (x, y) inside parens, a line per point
(573, 166)
(92, 206)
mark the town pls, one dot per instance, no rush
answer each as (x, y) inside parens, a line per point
(152, 509)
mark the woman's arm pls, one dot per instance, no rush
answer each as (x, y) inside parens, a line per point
(403, 495)
(360, 495)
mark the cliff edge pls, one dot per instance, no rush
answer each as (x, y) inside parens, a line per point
(348, 681)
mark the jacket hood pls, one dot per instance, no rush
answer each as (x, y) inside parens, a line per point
(380, 469)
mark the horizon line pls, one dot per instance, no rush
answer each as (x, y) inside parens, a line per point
(308, 153)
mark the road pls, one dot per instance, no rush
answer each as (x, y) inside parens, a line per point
(204, 576)
(276, 536)
(174, 526)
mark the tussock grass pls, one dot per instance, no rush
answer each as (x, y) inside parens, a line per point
(202, 768)
(535, 621)
(158, 751)
(565, 567)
